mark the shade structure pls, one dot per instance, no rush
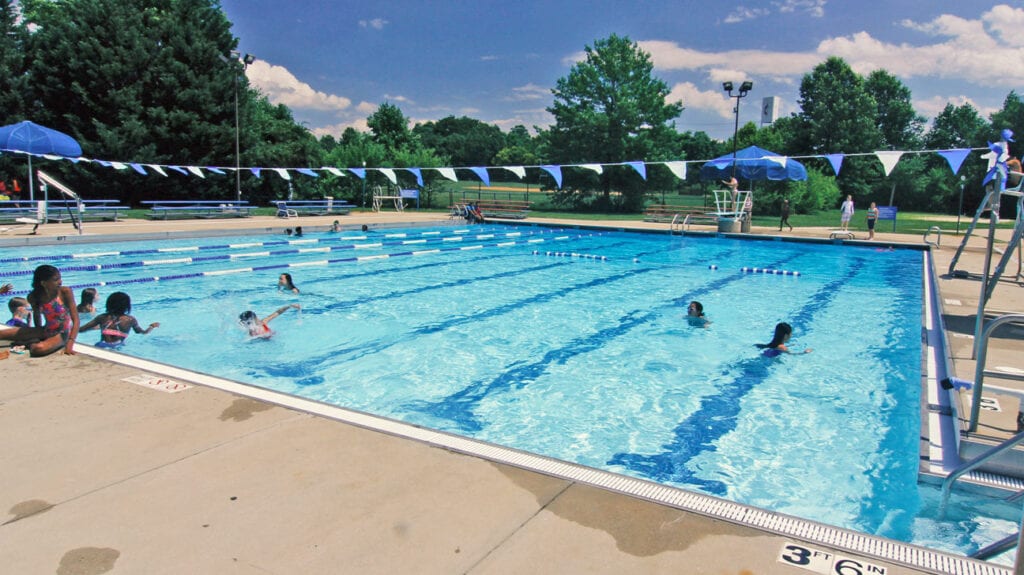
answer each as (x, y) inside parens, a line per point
(754, 163)
(31, 138)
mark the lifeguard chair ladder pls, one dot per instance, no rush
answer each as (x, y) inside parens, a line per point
(991, 203)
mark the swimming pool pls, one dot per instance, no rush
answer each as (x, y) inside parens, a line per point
(572, 343)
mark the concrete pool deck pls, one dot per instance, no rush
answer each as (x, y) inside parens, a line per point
(101, 475)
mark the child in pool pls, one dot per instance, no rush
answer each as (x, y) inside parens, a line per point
(54, 302)
(258, 327)
(88, 302)
(116, 323)
(285, 283)
(18, 328)
(777, 346)
(695, 315)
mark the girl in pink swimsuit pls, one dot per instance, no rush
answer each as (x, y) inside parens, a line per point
(116, 324)
(53, 307)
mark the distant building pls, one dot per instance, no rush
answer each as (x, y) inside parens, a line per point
(770, 109)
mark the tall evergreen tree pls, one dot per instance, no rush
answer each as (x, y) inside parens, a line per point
(610, 109)
(13, 78)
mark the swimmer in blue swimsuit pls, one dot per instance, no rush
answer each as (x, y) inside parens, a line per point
(777, 346)
(116, 324)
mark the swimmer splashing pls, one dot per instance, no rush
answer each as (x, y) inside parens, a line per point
(258, 327)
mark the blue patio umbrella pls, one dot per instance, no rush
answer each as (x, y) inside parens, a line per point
(753, 163)
(31, 138)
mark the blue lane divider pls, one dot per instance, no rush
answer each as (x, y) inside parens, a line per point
(571, 255)
(356, 259)
(297, 241)
(769, 271)
(194, 259)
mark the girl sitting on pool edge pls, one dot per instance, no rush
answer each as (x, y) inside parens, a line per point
(258, 327)
(777, 346)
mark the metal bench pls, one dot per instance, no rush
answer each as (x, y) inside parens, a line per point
(510, 209)
(325, 207)
(164, 209)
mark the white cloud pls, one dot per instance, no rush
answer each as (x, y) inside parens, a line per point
(281, 87)
(931, 107)
(755, 63)
(359, 124)
(693, 98)
(401, 99)
(742, 13)
(964, 50)
(366, 108)
(815, 8)
(530, 92)
(376, 23)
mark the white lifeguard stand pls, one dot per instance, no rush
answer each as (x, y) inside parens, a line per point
(380, 196)
(732, 209)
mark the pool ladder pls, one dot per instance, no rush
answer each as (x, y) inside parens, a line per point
(1010, 541)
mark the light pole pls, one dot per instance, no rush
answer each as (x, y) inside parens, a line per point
(362, 202)
(960, 210)
(246, 60)
(745, 87)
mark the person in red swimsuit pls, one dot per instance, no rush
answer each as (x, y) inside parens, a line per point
(51, 301)
(258, 327)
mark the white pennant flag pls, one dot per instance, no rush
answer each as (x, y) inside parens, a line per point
(157, 169)
(448, 173)
(889, 160)
(334, 171)
(780, 160)
(389, 174)
(595, 167)
(678, 169)
(195, 171)
(283, 173)
(519, 171)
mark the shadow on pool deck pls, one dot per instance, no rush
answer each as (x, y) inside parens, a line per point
(100, 475)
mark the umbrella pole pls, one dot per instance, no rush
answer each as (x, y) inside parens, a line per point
(31, 190)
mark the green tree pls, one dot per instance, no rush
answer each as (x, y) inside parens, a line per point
(390, 128)
(956, 127)
(13, 78)
(837, 115)
(607, 110)
(900, 125)
(154, 89)
(464, 141)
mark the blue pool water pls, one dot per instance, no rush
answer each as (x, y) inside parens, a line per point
(573, 344)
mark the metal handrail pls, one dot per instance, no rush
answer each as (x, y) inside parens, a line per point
(947, 483)
(979, 369)
(929, 232)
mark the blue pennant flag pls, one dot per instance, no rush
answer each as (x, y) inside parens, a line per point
(419, 176)
(955, 158)
(836, 160)
(482, 174)
(556, 173)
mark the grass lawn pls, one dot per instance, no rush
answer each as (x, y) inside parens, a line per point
(911, 223)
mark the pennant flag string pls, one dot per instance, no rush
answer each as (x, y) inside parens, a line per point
(888, 158)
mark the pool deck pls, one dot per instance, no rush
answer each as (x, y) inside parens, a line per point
(105, 476)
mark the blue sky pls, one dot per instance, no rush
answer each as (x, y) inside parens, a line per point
(333, 62)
